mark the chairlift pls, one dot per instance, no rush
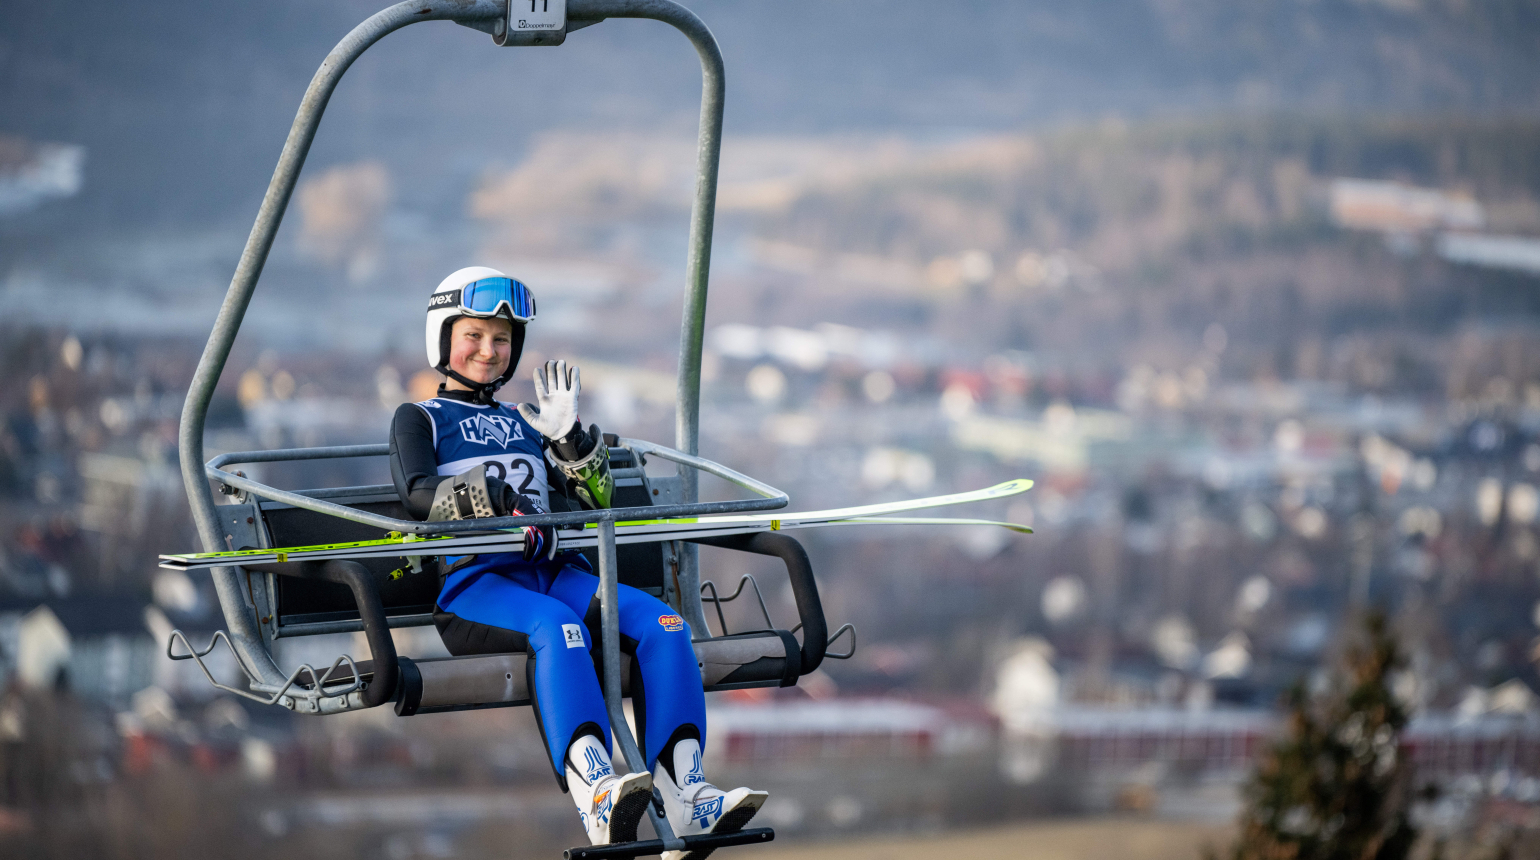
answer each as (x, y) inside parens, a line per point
(266, 602)
(266, 595)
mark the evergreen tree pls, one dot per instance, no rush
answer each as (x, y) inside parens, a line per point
(1336, 787)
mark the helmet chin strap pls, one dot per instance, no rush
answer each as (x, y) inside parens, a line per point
(481, 392)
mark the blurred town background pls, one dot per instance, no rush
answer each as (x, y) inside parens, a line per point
(1251, 291)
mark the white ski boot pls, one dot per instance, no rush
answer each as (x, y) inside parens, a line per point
(611, 807)
(699, 807)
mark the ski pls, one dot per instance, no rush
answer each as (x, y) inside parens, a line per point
(626, 532)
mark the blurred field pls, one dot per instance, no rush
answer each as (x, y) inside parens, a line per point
(1122, 839)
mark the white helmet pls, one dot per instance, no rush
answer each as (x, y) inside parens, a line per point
(457, 296)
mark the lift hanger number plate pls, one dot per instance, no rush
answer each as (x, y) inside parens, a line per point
(527, 15)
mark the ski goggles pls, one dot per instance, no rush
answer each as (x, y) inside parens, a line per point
(488, 297)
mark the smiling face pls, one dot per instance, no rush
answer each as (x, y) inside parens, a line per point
(479, 349)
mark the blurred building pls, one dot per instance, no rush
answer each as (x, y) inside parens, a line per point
(97, 648)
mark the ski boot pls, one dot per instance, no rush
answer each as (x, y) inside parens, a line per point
(610, 806)
(699, 807)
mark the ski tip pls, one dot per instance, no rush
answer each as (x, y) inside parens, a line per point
(178, 561)
(935, 521)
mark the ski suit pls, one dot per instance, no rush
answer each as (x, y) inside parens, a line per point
(499, 603)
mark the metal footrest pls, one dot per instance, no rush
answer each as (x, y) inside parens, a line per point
(644, 848)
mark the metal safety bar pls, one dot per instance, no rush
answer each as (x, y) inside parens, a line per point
(704, 843)
(609, 619)
(772, 498)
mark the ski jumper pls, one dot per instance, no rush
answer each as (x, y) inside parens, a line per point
(498, 603)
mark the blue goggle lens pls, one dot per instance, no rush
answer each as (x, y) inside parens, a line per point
(485, 296)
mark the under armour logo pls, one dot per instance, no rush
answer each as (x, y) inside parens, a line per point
(490, 430)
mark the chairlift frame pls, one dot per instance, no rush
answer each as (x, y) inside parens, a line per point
(348, 684)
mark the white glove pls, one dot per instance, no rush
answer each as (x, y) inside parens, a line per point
(556, 392)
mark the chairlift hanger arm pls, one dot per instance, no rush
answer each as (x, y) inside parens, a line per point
(245, 636)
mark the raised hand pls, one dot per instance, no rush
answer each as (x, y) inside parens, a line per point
(556, 393)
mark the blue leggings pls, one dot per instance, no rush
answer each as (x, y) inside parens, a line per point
(547, 602)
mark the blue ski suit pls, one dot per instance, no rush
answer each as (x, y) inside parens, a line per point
(498, 603)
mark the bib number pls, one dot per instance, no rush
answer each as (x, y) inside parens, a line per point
(521, 473)
(517, 468)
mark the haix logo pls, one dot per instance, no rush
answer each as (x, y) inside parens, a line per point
(490, 430)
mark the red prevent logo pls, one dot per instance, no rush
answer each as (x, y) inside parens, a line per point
(671, 623)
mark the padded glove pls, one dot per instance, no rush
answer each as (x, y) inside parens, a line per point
(539, 541)
(556, 393)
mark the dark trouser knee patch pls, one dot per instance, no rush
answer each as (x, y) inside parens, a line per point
(464, 637)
